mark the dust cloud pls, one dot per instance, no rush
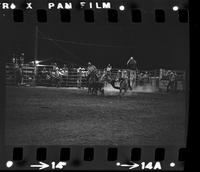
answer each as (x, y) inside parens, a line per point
(148, 88)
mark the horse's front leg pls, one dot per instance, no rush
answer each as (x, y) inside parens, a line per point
(94, 91)
(125, 90)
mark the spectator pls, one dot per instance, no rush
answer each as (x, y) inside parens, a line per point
(108, 69)
(79, 77)
(172, 82)
(124, 74)
(119, 75)
(19, 69)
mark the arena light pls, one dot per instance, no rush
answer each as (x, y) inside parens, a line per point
(37, 61)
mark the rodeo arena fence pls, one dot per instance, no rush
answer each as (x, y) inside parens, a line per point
(76, 77)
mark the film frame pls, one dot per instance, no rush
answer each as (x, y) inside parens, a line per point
(92, 157)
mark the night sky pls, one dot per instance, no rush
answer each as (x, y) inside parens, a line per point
(153, 45)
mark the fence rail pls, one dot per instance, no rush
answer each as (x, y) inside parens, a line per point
(156, 78)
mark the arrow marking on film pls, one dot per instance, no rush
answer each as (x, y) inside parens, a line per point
(134, 165)
(41, 166)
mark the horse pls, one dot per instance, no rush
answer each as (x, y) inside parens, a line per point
(90, 81)
(94, 84)
(55, 78)
(124, 85)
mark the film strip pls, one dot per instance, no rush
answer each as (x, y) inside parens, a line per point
(159, 16)
(55, 117)
(93, 158)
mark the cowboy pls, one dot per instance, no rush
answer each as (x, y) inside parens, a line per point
(146, 77)
(65, 74)
(55, 67)
(132, 65)
(91, 76)
(56, 75)
(124, 74)
(91, 69)
(79, 77)
(119, 75)
(108, 69)
(43, 75)
(172, 84)
(19, 69)
(18, 74)
(44, 72)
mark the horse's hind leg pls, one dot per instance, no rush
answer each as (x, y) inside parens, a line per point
(102, 91)
(95, 91)
(90, 90)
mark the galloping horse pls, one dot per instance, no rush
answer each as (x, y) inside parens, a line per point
(96, 83)
(91, 79)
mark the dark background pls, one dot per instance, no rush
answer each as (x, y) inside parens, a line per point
(164, 48)
(153, 45)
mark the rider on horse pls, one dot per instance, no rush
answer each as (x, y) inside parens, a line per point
(92, 78)
(91, 69)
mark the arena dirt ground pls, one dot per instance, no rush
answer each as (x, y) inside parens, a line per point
(60, 116)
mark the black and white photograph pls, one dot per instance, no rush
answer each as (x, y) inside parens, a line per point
(96, 84)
